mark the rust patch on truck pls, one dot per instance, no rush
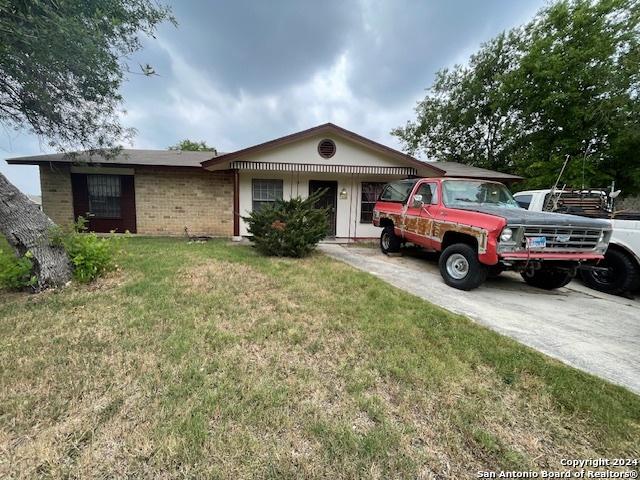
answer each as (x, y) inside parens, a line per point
(479, 234)
(418, 225)
(438, 228)
(435, 230)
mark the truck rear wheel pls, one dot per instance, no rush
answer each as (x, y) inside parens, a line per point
(460, 267)
(389, 241)
(547, 278)
(623, 275)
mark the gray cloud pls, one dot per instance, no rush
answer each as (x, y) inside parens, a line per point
(261, 46)
(243, 72)
(405, 42)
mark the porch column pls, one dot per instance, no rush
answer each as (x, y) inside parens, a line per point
(236, 203)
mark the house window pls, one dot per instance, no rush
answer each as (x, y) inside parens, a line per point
(265, 192)
(105, 193)
(370, 193)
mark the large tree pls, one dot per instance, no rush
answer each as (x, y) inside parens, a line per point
(466, 116)
(577, 90)
(27, 230)
(192, 146)
(61, 65)
(567, 83)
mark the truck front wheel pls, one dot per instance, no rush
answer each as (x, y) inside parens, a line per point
(622, 275)
(547, 278)
(460, 267)
(389, 241)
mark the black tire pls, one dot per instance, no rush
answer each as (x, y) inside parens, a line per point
(389, 241)
(623, 276)
(460, 267)
(547, 278)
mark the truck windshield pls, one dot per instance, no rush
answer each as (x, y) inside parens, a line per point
(467, 193)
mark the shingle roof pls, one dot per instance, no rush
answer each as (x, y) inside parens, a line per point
(455, 169)
(166, 158)
(178, 158)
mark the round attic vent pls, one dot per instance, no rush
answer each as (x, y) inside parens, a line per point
(326, 148)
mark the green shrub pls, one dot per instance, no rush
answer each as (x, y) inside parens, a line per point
(91, 256)
(288, 228)
(16, 273)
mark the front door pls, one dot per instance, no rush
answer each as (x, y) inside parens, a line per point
(418, 220)
(107, 202)
(328, 200)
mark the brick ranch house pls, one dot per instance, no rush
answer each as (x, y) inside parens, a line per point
(164, 192)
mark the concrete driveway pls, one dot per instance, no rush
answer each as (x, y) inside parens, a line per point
(592, 331)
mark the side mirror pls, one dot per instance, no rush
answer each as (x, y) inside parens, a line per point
(615, 194)
(417, 201)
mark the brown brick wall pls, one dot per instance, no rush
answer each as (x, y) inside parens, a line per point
(57, 201)
(170, 199)
(167, 200)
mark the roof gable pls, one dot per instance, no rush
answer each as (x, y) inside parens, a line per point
(328, 129)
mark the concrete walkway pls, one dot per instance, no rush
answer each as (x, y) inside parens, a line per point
(592, 331)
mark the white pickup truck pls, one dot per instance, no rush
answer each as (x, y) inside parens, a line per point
(622, 259)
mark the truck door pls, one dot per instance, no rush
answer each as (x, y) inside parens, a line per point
(418, 217)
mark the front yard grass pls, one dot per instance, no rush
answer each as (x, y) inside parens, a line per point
(209, 360)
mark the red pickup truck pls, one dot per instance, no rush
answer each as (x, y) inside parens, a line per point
(480, 230)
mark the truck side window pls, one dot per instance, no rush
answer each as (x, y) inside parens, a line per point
(429, 192)
(397, 191)
(523, 201)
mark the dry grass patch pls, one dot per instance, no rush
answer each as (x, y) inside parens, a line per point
(227, 277)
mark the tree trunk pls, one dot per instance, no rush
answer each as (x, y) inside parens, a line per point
(27, 229)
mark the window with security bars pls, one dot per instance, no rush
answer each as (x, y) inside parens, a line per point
(265, 192)
(370, 193)
(105, 192)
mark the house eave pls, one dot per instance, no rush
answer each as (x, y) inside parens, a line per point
(322, 168)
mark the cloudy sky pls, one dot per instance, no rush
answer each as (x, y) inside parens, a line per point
(236, 73)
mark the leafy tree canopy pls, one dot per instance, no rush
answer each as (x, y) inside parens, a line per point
(62, 63)
(567, 83)
(192, 146)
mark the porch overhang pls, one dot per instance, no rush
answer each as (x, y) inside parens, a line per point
(322, 168)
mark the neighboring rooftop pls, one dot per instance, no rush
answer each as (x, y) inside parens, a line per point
(455, 169)
(164, 158)
(37, 199)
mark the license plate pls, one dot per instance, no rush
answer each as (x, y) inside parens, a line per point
(536, 242)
